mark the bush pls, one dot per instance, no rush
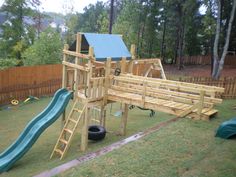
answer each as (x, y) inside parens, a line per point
(45, 50)
(8, 63)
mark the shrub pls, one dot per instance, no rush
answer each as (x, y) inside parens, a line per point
(8, 63)
(45, 50)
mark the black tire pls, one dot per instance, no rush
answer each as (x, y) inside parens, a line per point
(96, 132)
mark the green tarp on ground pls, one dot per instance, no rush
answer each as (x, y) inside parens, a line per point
(227, 129)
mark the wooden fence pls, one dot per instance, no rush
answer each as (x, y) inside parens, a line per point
(206, 60)
(21, 82)
(229, 83)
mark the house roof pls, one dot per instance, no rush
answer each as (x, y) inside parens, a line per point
(105, 45)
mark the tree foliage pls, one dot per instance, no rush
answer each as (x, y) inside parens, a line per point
(17, 34)
(45, 50)
(169, 29)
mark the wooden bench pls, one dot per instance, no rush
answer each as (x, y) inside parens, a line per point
(177, 98)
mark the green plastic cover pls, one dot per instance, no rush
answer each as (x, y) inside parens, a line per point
(227, 129)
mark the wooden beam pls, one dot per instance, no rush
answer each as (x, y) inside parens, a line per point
(84, 133)
(79, 55)
(147, 61)
(125, 109)
(163, 75)
(123, 65)
(79, 67)
(64, 73)
(132, 51)
(162, 94)
(64, 84)
(105, 91)
(201, 104)
(200, 86)
(78, 49)
(182, 86)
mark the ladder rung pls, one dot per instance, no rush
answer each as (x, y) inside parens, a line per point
(58, 151)
(72, 120)
(67, 130)
(95, 120)
(97, 109)
(63, 141)
(77, 110)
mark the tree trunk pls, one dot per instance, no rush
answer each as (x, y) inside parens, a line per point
(216, 42)
(139, 29)
(142, 35)
(176, 48)
(111, 17)
(181, 46)
(218, 65)
(163, 41)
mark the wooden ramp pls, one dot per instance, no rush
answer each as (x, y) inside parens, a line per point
(177, 98)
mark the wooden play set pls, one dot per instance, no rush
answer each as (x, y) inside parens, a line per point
(99, 70)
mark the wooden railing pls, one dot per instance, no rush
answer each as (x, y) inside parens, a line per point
(97, 88)
(229, 83)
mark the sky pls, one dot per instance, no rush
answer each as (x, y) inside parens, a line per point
(57, 5)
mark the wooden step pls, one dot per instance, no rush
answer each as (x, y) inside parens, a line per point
(77, 110)
(63, 141)
(72, 120)
(211, 112)
(95, 120)
(58, 151)
(68, 130)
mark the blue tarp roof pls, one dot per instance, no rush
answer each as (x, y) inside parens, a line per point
(107, 45)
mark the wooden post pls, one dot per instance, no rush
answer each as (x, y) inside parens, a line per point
(64, 83)
(201, 103)
(64, 73)
(78, 49)
(123, 65)
(84, 133)
(131, 63)
(124, 106)
(89, 74)
(124, 118)
(162, 70)
(144, 93)
(107, 83)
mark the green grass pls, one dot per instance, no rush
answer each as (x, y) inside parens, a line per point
(13, 121)
(184, 148)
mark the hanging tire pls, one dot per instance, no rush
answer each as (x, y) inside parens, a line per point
(96, 132)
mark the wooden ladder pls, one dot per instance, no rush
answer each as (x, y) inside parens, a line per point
(68, 131)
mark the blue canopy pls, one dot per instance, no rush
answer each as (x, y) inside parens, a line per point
(107, 45)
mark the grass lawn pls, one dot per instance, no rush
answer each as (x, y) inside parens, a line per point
(184, 148)
(13, 121)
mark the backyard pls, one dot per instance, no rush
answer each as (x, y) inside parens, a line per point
(184, 148)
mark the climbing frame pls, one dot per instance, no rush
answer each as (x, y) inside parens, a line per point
(91, 75)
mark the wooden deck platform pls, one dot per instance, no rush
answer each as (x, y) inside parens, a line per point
(177, 98)
(162, 105)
